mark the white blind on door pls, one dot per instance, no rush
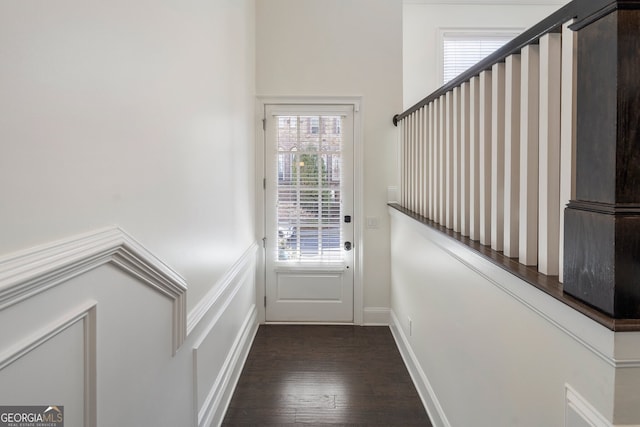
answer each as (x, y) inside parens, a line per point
(309, 177)
(463, 50)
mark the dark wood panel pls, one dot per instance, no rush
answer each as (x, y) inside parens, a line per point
(602, 227)
(608, 125)
(589, 255)
(628, 108)
(325, 375)
(596, 121)
(602, 253)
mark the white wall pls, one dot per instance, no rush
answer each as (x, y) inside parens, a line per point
(422, 21)
(137, 114)
(488, 349)
(343, 48)
(133, 113)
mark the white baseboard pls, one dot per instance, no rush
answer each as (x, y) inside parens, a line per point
(420, 380)
(375, 316)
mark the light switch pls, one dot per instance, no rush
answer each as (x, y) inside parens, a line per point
(372, 222)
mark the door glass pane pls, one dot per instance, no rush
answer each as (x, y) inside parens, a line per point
(309, 181)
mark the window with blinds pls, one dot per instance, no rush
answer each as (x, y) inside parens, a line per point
(462, 50)
(309, 188)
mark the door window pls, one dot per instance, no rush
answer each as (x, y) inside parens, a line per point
(309, 150)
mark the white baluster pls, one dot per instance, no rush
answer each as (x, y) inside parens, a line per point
(549, 160)
(465, 155)
(431, 163)
(436, 160)
(497, 156)
(421, 165)
(410, 162)
(512, 156)
(425, 160)
(448, 143)
(456, 159)
(529, 136)
(442, 204)
(485, 157)
(414, 158)
(474, 159)
(403, 162)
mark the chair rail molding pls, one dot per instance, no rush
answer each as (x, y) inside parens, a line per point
(224, 286)
(30, 272)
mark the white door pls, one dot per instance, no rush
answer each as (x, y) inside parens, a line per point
(309, 213)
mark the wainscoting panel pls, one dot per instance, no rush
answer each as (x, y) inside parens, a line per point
(580, 413)
(54, 365)
(232, 328)
(98, 324)
(486, 348)
(214, 387)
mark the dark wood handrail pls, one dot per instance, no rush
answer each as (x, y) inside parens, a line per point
(583, 11)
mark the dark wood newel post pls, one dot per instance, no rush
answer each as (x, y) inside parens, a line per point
(602, 226)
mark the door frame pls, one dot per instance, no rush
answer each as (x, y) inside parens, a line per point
(358, 173)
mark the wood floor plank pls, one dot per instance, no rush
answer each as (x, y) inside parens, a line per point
(325, 375)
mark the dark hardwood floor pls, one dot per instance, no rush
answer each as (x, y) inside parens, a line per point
(325, 375)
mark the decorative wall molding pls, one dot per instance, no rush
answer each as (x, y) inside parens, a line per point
(376, 316)
(420, 380)
(217, 400)
(31, 272)
(245, 263)
(577, 404)
(85, 314)
(595, 337)
(213, 307)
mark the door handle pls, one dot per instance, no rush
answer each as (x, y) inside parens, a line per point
(347, 246)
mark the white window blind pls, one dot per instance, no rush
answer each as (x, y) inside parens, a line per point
(463, 50)
(309, 192)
